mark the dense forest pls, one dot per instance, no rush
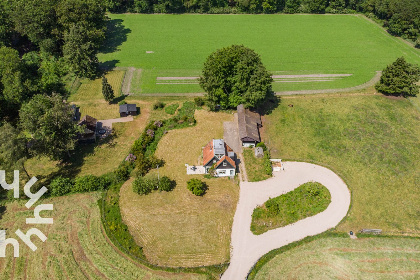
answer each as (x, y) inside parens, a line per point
(400, 17)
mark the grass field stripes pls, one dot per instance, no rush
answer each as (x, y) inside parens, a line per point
(177, 80)
(308, 78)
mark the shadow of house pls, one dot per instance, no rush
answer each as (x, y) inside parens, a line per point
(89, 133)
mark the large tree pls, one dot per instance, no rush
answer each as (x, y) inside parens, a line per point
(13, 153)
(80, 52)
(399, 79)
(235, 75)
(49, 121)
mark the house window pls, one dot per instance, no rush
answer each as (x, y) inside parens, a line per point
(224, 163)
(231, 172)
(214, 161)
(222, 172)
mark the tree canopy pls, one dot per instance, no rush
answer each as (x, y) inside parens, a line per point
(49, 120)
(235, 75)
(399, 79)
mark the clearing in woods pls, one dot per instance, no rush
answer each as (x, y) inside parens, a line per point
(320, 51)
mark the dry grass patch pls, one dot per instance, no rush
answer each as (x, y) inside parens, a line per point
(179, 228)
(76, 247)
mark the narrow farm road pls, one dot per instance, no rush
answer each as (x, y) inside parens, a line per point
(247, 248)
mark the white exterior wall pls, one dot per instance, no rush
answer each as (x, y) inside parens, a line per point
(248, 144)
(225, 172)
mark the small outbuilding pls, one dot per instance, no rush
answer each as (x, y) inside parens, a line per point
(128, 110)
(259, 152)
(248, 123)
(89, 134)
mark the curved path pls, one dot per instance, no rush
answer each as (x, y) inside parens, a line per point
(247, 248)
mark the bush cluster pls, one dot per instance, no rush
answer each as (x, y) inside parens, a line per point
(147, 184)
(197, 187)
(171, 109)
(158, 105)
(61, 186)
(199, 101)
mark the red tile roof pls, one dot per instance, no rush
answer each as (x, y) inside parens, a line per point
(208, 153)
(228, 159)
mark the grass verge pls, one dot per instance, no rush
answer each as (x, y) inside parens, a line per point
(306, 200)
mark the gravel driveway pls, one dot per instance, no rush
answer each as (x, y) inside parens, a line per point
(247, 248)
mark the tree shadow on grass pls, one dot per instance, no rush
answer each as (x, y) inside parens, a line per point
(72, 166)
(269, 105)
(116, 34)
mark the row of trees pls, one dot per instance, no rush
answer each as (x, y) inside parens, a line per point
(401, 17)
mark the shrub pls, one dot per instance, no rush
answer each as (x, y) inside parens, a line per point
(417, 44)
(158, 105)
(89, 183)
(199, 101)
(166, 184)
(122, 173)
(122, 102)
(60, 186)
(171, 109)
(143, 186)
(197, 187)
(262, 145)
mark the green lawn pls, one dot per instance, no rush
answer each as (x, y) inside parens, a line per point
(372, 142)
(254, 166)
(288, 44)
(307, 200)
(344, 258)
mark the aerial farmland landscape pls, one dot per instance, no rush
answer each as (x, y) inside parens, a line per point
(209, 139)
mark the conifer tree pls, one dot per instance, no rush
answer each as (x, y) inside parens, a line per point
(107, 90)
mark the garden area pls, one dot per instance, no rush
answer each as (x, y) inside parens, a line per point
(306, 200)
(178, 228)
(257, 169)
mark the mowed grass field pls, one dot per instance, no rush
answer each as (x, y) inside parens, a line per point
(344, 258)
(76, 247)
(177, 46)
(371, 141)
(178, 228)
